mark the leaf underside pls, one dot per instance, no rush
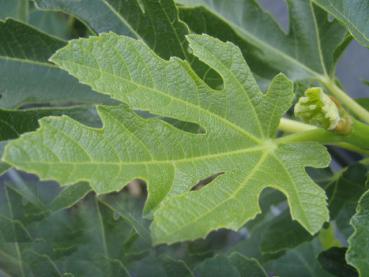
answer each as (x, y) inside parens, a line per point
(239, 121)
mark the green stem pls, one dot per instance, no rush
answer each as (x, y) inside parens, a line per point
(293, 126)
(346, 100)
(357, 140)
(316, 134)
(359, 136)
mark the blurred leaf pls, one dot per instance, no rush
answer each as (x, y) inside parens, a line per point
(233, 266)
(247, 266)
(352, 14)
(364, 102)
(52, 23)
(69, 196)
(155, 22)
(328, 237)
(14, 8)
(130, 209)
(344, 193)
(343, 189)
(358, 250)
(160, 266)
(310, 50)
(283, 233)
(24, 53)
(301, 259)
(3, 166)
(85, 239)
(333, 261)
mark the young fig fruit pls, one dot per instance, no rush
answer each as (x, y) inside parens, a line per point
(318, 109)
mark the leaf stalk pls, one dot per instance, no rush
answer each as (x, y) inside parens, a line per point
(357, 140)
(346, 100)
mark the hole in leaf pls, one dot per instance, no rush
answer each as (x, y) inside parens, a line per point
(271, 200)
(179, 124)
(208, 75)
(137, 188)
(202, 183)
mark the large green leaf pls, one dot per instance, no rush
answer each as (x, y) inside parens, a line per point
(358, 251)
(24, 52)
(240, 124)
(309, 50)
(352, 14)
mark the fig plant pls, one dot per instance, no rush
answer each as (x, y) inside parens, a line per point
(183, 138)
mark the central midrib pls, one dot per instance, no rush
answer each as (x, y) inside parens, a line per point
(153, 162)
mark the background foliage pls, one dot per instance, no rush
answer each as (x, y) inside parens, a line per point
(47, 230)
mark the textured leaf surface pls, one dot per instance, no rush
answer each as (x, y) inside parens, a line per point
(310, 49)
(13, 123)
(358, 251)
(239, 121)
(352, 14)
(24, 52)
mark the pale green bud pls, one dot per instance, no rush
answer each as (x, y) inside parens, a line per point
(318, 109)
